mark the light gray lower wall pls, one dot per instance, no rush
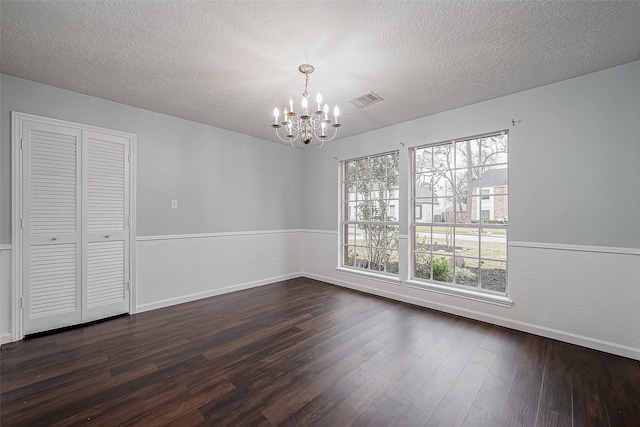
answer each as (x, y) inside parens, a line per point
(184, 268)
(5, 293)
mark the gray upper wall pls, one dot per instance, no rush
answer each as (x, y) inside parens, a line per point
(223, 181)
(574, 162)
(574, 159)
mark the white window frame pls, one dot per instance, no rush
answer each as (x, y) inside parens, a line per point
(345, 222)
(476, 293)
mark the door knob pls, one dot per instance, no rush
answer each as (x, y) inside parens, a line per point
(53, 238)
(106, 237)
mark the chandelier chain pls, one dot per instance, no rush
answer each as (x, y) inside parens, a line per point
(306, 84)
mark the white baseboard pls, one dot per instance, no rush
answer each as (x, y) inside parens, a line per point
(606, 346)
(5, 338)
(200, 295)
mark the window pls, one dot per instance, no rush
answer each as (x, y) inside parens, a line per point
(370, 193)
(464, 247)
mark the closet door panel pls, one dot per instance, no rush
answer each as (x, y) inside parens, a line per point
(106, 217)
(51, 226)
(53, 280)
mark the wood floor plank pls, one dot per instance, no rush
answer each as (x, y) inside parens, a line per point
(193, 400)
(256, 392)
(361, 399)
(457, 359)
(297, 396)
(405, 388)
(321, 405)
(622, 405)
(504, 368)
(190, 419)
(494, 338)
(589, 389)
(487, 409)
(305, 353)
(416, 322)
(380, 413)
(426, 400)
(524, 395)
(405, 342)
(368, 369)
(454, 407)
(556, 405)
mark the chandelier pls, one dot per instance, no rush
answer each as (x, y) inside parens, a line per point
(304, 129)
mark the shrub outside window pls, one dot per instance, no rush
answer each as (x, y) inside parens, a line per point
(460, 189)
(369, 222)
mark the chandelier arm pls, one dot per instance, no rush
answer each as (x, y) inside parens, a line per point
(287, 140)
(326, 138)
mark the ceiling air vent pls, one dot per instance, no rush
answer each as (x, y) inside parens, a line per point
(365, 100)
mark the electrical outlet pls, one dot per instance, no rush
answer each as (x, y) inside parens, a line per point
(174, 204)
(273, 261)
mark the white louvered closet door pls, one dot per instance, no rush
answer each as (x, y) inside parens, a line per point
(51, 218)
(76, 226)
(105, 225)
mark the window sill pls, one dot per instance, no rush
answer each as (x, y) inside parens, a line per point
(500, 300)
(381, 277)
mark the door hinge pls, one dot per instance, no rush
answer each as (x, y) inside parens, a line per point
(21, 144)
(21, 223)
(21, 302)
(128, 157)
(129, 221)
(128, 285)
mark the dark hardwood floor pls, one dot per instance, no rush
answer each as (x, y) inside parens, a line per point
(302, 352)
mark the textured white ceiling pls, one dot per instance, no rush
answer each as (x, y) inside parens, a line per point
(228, 63)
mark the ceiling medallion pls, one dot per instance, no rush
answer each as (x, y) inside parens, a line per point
(305, 129)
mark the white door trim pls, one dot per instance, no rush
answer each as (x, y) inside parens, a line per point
(17, 120)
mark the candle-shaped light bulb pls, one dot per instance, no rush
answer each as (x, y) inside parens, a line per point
(291, 104)
(305, 104)
(326, 111)
(336, 113)
(323, 126)
(276, 114)
(319, 101)
(285, 113)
